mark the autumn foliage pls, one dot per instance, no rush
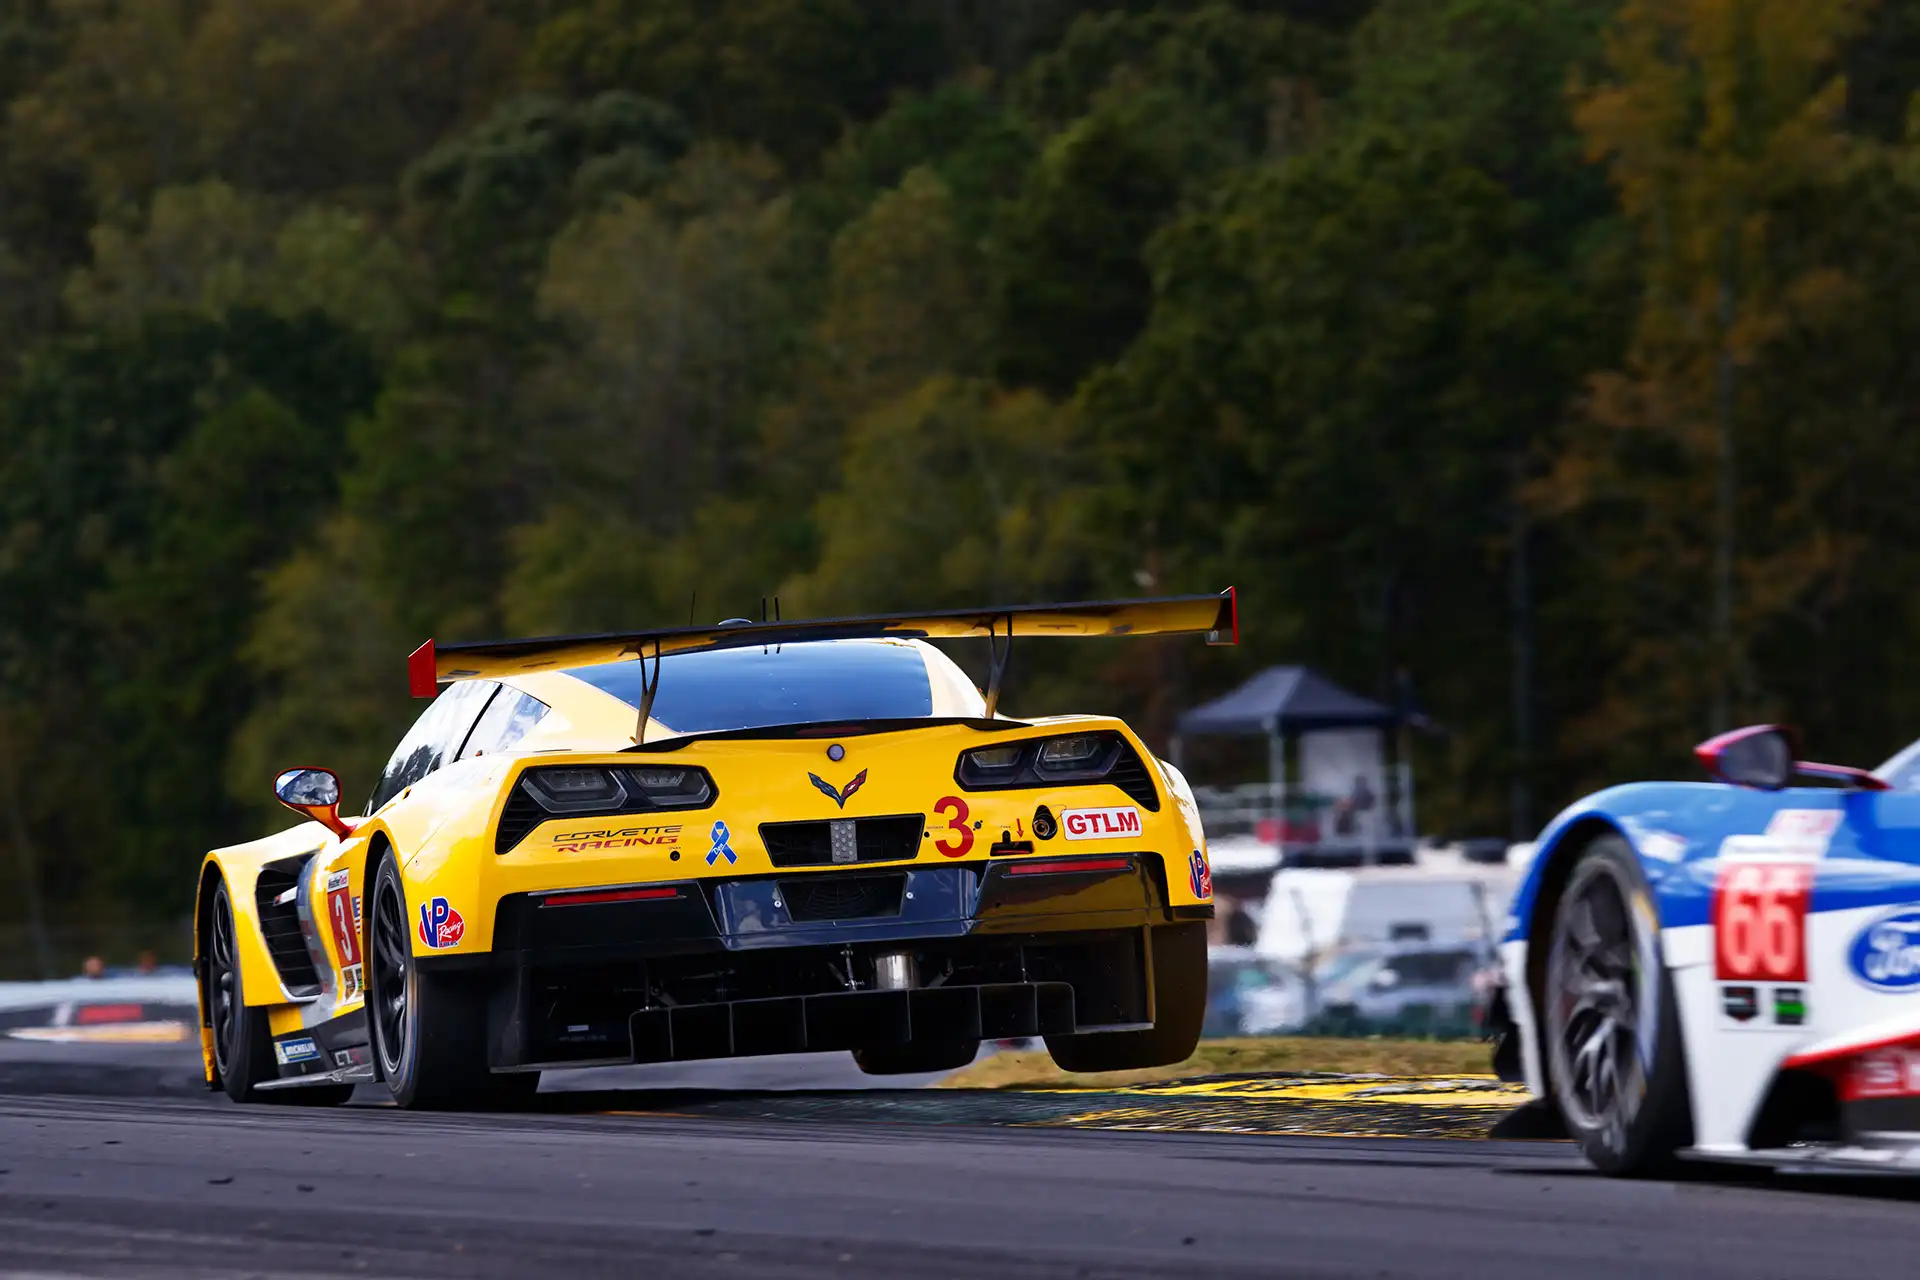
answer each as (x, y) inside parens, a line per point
(1547, 363)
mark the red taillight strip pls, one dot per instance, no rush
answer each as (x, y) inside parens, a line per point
(93, 1015)
(1057, 866)
(609, 895)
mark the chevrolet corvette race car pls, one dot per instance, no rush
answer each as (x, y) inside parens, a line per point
(706, 842)
(1726, 970)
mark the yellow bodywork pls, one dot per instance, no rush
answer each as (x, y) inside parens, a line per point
(441, 829)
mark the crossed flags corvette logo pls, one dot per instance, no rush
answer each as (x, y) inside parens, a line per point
(839, 797)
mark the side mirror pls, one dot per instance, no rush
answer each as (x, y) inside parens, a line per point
(315, 794)
(1764, 756)
(1759, 756)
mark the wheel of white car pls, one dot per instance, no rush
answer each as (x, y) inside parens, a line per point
(1611, 1030)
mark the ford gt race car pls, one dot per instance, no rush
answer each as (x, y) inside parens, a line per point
(1726, 970)
(706, 842)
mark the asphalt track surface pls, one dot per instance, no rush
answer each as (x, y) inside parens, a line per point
(674, 1181)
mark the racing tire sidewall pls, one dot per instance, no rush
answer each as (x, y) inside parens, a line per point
(441, 1062)
(249, 1049)
(1663, 1123)
(399, 1064)
(1180, 1009)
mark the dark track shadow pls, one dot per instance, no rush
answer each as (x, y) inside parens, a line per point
(1848, 1184)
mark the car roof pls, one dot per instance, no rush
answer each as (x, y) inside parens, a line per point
(591, 717)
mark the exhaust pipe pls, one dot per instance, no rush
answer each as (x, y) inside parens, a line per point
(895, 971)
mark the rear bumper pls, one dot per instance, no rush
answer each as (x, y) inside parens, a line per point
(786, 963)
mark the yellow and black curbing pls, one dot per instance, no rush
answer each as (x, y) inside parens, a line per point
(1312, 1104)
(1316, 1105)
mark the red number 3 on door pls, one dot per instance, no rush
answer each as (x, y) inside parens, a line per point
(1760, 921)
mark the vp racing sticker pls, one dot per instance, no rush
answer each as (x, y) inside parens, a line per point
(1200, 875)
(1885, 955)
(440, 924)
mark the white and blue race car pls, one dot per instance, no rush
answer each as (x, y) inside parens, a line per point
(1726, 970)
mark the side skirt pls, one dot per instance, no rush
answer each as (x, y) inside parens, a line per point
(1896, 1158)
(337, 1051)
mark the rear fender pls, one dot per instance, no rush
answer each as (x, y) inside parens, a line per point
(441, 832)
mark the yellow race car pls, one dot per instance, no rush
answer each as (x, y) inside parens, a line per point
(717, 841)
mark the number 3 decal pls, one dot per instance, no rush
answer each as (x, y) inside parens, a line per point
(957, 825)
(1760, 921)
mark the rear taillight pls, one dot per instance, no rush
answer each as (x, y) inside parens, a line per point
(592, 897)
(1067, 866)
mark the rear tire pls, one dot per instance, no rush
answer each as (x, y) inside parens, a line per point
(1610, 1026)
(429, 1030)
(242, 1041)
(917, 1057)
(1180, 1007)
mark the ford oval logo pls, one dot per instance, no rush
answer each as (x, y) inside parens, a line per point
(1886, 954)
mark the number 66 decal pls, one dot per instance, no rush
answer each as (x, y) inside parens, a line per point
(1760, 921)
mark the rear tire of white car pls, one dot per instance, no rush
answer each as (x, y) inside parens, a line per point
(429, 1030)
(1610, 1026)
(1180, 1007)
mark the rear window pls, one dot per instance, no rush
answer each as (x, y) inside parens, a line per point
(821, 681)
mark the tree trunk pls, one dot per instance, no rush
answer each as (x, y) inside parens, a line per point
(23, 852)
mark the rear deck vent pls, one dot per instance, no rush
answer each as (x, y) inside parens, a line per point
(1130, 775)
(810, 844)
(843, 897)
(520, 816)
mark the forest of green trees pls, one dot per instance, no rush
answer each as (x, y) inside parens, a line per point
(1550, 362)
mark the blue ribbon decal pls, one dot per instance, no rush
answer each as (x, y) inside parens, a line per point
(720, 846)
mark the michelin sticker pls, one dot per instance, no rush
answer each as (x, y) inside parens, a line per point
(1886, 954)
(291, 1051)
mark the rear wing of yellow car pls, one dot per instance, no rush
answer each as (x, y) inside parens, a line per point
(1217, 616)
